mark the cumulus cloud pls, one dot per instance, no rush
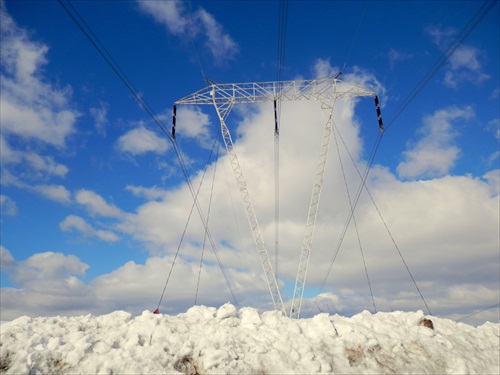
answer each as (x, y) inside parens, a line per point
(78, 224)
(100, 117)
(446, 227)
(493, 178)
(40, 167)
(465, 65)
(396, 56)
(31, 107)
(36, 115)
(220, 44)
(8, 206)
(361, 77)
(44, 270)
(56, 193)
(45, 282)
(435, 153)
(46, 165)
(322, 68)
(466, 62)
(141, 140)
(151, 193)
(188, 25)
(96, 204)
(6, 258)
(435, 222)
(494, 127)
(195, 124)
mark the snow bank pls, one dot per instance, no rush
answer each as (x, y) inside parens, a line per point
(207, 340)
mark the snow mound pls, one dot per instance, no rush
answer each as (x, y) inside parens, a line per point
(206, 340)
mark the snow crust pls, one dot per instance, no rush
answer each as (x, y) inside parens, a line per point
(206, 340)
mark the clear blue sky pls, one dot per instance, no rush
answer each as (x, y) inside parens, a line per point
(94, 202)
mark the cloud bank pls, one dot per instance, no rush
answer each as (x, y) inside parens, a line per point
(188, 25)
(445, 226)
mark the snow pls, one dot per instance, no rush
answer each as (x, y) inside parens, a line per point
(207, 340)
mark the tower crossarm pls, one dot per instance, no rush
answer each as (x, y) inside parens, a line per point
(257, 92)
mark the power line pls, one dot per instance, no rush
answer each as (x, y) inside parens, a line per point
(464, 33)
(217, 141)
(478, 312)
(99, 47)
(471, 25)
(191, 40)
(280, 64)
(354, 218)
(351, 216)
(355, 36)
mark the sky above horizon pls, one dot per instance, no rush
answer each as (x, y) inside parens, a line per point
(94, 202)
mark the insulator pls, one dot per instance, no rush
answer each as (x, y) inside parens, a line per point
(276, 130)
(379, 114)
(174, 118)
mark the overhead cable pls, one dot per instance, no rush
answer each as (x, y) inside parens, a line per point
(99, 47)
(464, 33)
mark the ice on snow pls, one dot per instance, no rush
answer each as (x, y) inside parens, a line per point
(206, 340)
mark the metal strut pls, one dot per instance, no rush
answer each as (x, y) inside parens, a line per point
(222, 111)
(307, 241)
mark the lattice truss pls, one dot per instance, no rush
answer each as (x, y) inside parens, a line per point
(223, 96)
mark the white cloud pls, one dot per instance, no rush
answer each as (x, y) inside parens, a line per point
(441, 37)
(364, 78)
(75, 222)
(322, 68)
(193, 123)
(78, 224)
(35, 114)
(26, 120)
(31, 107)
(435, 153)
(188, 25)
(493, 178)
(46, 165)
(40, 167)
(99, 114)
(172, 14)
(435, 222)
(494, 127)
(56, 193)
(8, 206)
(6, 258)
(495, 94)
(181, 286)
(45, 282)
(152, 193)
(141, 140)
(96, 204)
(220, 44)
(44, 270)
(8, 155)
(397, 56)
(464, 65)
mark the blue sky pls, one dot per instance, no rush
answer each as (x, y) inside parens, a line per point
(94, 202)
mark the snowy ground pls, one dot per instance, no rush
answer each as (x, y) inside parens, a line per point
(229, 341)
